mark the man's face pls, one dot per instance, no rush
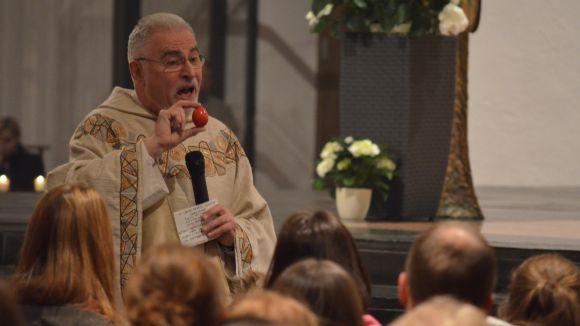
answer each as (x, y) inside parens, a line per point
(158, 88)
(8, 143)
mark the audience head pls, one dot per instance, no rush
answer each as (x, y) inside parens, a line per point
(442, 310)
(326, 288)
(450, 258)
(318, 235)
(67, 254)
(9, 136)
(174, 285)
(272, 307)
(545, 290)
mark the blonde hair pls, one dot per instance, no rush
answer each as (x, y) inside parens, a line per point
(150, 24)
(67, 254)
(273, 307)
(442, 310)
(545, 289)
(174, 285)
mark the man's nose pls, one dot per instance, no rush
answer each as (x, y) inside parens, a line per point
(187, 70)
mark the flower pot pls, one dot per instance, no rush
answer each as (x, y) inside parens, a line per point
(353, 203)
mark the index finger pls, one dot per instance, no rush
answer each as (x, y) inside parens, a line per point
(187, 104)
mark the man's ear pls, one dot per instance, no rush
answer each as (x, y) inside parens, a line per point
(488, 304)
(403, 289)
(136, 71)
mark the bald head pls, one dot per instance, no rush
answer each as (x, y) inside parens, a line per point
(451, 258)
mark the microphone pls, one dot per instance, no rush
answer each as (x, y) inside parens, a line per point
(196, 166)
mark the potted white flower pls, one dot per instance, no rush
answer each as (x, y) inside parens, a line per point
(351, 169)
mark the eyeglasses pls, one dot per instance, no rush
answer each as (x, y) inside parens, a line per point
(176, 63)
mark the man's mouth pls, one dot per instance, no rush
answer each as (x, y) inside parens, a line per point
(185, 92)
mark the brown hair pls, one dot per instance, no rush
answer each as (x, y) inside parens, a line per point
(318, 235)
(544, 290)
(174, 285)
(9, 309)
(451, 258)
(9, 123)
(442, 310)
(67, 254)
(273, 307)
(326, 288)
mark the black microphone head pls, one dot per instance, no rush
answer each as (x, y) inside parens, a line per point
(196, 166)
(195, 163)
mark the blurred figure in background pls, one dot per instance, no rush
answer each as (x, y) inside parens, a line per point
(545, 290)
(66, 269)
(16, 163)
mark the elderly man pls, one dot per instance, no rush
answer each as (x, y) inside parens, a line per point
(450, 258)
(132, 148)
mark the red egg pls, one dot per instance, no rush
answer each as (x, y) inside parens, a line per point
(199, 116)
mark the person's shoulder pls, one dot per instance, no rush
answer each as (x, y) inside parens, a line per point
(62, 315)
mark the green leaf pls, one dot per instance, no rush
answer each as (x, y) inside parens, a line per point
(319, 184)
(348, 182)
(403, 14)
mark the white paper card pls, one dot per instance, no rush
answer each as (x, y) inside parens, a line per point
(188, 223)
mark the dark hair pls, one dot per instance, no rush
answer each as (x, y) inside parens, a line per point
(326, 288)
(67, 254)
(9, 123)
(451, 258)
(545, 290)
(174, 285)
(318, 235)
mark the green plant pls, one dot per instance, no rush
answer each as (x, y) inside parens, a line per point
(354, 163)
(414, 17)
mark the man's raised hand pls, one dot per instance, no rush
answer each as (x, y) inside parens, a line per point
(170, 129)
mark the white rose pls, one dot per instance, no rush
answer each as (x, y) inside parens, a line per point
(325, 11)
(348, 139)
(364, 148)
(311, 18)
(452, 20)
(324, 166)
(330, 149)
(402, 28)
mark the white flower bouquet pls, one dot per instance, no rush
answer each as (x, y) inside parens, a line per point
(413, 17)
(354, 163)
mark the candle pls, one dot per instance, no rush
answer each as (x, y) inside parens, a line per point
(4, 183)
(39, 184)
